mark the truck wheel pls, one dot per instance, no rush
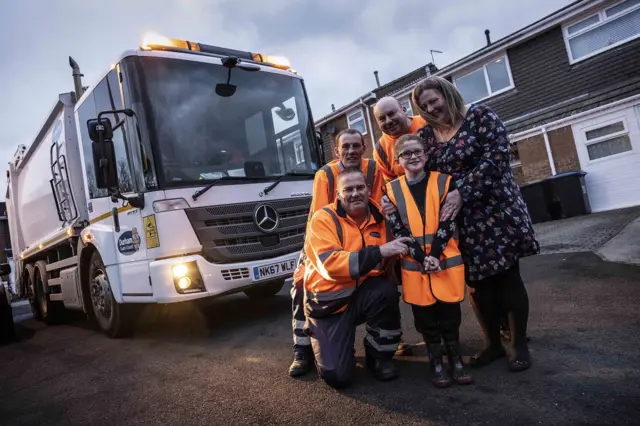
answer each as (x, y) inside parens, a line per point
(262, 291)
(51, 312)
(30, 291)
(7, 330)
(113, 318)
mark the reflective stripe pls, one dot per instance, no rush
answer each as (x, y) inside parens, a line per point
(383, 155)
(385, 334)
(371, 172)
(381, 348)
(425, 239)
(302, 341)
(298, 325)
(332, 180)
(401, 204)
(442, 185)
(327, 296)
(325, 255)
(354, 265)
(450, 262)
(336, 222)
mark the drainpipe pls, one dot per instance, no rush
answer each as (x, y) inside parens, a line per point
(373, 143)
(549, 153)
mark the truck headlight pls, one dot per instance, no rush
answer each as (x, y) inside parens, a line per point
(160, 206)
(187, 278)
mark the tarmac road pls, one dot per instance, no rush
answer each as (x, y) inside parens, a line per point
(230, 365)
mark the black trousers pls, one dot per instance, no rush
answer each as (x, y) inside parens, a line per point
(438, 322)
(300, 339)
(375, 303)
(497, 295)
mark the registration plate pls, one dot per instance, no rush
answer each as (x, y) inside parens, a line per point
(273, 270)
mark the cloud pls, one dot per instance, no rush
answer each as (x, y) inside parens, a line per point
(334, 44)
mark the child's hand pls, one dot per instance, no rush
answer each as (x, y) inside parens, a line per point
(431, 264)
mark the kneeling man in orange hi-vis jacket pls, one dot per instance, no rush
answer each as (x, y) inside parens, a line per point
(350, 148)
(347, 249)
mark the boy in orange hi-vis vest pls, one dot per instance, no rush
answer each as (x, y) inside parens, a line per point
(434, 283)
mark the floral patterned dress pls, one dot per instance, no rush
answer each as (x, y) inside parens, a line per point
(494, 223)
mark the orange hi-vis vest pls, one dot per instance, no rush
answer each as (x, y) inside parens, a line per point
(419, 288)
(383, 152)
(325, 189)
(325, 183)
(340, 256)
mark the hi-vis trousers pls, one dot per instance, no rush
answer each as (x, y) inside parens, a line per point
(376, 303)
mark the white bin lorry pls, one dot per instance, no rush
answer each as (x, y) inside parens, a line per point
(186, 172)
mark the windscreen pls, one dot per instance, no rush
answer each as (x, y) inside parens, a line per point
(262, 129)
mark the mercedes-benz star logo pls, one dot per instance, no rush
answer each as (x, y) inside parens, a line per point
(266, 218)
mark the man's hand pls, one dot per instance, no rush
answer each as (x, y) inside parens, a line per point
(452, 205)
(431, 264)
(395, 247)
(387, 206)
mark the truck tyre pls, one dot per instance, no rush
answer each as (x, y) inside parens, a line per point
(262, 291)
(50, 311)
(30, 291)
(113, 318)
(7, 330)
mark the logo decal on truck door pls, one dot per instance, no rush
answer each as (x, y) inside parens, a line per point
(129, 242)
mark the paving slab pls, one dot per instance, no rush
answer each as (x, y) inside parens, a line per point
(584, 233)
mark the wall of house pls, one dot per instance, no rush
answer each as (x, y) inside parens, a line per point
(563, 149)
(339, 123)
(544, 78)
(534, 159)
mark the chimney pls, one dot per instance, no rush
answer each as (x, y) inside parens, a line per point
(486, 33)
(377, 79)
(333, 108)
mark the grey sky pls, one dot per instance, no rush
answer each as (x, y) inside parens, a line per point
(334, 44)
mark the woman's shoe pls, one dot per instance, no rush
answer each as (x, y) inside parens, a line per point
(456, 364)
(487, 356)
(520, 360)
(440, 377)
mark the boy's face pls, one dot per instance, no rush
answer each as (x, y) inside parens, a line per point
(412, 157)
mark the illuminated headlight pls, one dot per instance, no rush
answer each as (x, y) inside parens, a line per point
(160, 206)
(187, 278)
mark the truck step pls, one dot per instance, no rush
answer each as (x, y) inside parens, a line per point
(70, 261)
(56, 297)
(54, 281)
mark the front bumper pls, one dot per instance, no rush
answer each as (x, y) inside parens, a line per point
(218, 279)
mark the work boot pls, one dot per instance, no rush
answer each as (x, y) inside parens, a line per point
(456, 364)
(302, 362)
(440, 378)
(381, 369)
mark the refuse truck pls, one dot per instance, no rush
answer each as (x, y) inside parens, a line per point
(186, 172)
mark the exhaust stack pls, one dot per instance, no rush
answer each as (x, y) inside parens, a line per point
(77, 78)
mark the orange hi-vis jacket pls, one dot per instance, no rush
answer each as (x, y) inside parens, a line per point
(419, 288)
(383, 152)
(325, 191)
(340, 256)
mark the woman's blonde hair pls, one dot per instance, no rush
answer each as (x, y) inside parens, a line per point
(452, 100)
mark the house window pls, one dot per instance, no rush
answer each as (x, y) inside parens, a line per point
(355, 120)
(604, 30)
(608, 140)
(489, 80)
(406, 107)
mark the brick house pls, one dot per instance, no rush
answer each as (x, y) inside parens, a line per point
(567, 87)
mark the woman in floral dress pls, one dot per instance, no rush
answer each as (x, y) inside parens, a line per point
(470, 143)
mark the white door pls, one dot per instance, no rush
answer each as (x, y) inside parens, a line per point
(609, 151)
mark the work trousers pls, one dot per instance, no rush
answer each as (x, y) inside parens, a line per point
(438, 322)
(503, 293)
(375, 303)
(300, 339)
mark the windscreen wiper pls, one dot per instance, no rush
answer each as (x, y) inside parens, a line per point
(199, 192)
(284, 177)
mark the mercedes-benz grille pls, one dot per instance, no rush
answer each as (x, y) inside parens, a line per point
(229, 233)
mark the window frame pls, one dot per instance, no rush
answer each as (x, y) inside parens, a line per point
(487, 83)
(362, 118)
(407, 100)
(625, 132)
(603, 19)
